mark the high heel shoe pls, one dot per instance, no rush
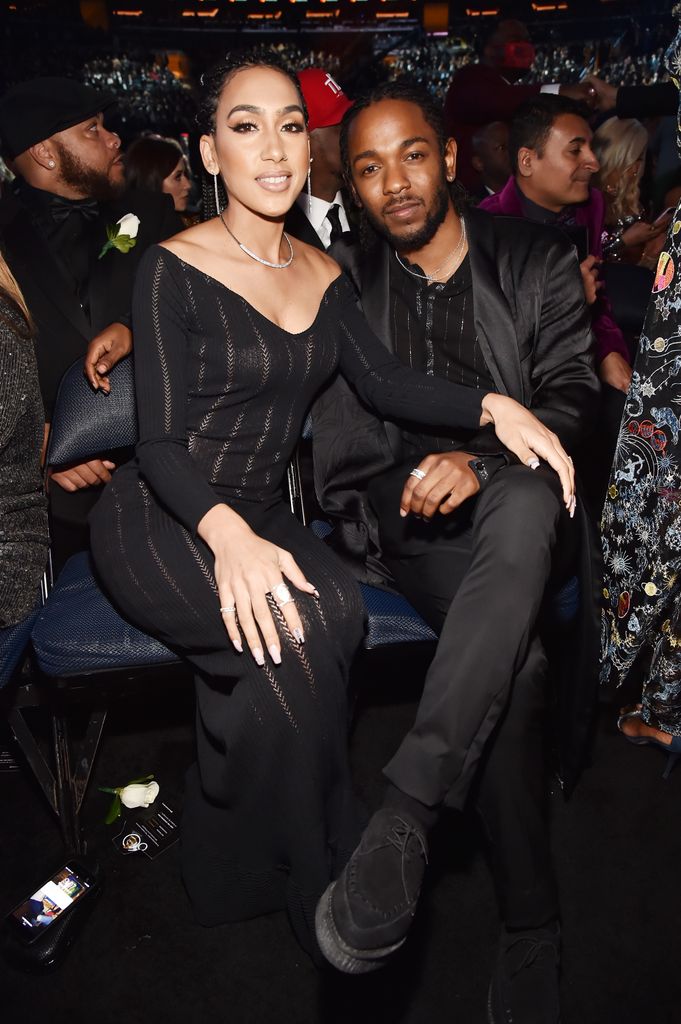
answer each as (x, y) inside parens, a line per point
(673, 749)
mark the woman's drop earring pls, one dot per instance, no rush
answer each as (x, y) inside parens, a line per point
(217, 195)
(309, 187)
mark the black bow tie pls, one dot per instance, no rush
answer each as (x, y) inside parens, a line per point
(60, 209)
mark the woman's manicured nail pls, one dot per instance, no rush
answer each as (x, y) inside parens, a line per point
(259, 656)
(298, 634)
(274, 653)
(533, 463)
(237, 644)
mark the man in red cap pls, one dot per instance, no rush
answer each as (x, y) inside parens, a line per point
(319, 217)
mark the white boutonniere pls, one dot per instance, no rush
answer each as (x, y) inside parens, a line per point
(122, 235)
(138, 793)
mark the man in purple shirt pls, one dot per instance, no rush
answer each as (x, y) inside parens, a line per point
(552, 163)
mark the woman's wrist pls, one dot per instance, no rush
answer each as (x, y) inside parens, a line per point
(489, 401)
(221, 525)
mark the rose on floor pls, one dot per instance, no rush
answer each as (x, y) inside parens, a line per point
(138, 793)
(122, 235)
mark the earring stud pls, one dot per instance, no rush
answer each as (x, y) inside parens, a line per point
(50, 163)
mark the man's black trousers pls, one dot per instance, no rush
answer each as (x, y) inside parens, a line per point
(479, 577)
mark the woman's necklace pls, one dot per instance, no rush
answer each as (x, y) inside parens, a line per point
(265, 263)
(430, 278)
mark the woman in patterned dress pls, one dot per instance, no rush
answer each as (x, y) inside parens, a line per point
(641, 522)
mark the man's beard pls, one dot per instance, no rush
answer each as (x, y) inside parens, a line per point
(420, 237)
(91, 183)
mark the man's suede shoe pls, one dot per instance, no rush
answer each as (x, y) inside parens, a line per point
(365, 915)
(524, 987)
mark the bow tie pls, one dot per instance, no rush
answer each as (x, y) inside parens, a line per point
(60, 209)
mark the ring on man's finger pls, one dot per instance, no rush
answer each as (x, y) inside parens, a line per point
(282, 595)
(228, 609)
(418, 473)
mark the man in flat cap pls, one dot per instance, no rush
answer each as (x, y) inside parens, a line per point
(68, 197)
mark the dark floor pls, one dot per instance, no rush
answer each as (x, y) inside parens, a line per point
(142, 958)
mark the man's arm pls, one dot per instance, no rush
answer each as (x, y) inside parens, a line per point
(565, 385)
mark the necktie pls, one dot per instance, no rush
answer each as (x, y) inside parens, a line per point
(333, 217)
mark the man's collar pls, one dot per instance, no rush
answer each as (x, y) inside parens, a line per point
(539, 214)
(316, 209)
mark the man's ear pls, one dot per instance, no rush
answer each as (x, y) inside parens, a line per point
(526, 161)
(44, 155)
(450, 159)
(207, 150)
(353, 192)
(476, 163)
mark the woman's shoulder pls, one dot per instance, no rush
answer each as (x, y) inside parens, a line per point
(321, 266)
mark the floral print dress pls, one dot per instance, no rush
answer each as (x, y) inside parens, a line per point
(641, 524)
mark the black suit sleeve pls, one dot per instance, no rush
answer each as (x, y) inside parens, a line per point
(564, 383)
(640, 101)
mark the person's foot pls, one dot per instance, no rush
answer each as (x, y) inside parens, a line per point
(365, 915)
(524, 986)
(633, 727)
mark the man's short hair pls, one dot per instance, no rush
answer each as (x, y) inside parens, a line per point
(532, 122)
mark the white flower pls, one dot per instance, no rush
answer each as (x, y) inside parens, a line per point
(138, 794)
(129, 225)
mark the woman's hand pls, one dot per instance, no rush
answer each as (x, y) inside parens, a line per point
(527, 437)
(247, 570)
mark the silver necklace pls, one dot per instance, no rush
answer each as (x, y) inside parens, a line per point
(265, 263)
(430, 278)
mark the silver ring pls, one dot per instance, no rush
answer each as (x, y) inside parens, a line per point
(418, 473)
(282, 595)
(228, 609)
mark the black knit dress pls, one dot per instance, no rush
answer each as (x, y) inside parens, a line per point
(222, 393)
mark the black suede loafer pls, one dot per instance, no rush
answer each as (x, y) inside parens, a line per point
(365, 915)
(524, 986)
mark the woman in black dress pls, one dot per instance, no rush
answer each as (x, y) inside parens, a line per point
(237, 327)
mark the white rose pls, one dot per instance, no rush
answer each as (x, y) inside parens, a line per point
(129, 225)
(138, 794)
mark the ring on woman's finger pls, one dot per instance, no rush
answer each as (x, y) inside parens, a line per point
(282, 595)
(228, 609)
(418, 473)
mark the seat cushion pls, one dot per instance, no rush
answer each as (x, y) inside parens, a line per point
(392, 620)
(13, 643)
(79, 631)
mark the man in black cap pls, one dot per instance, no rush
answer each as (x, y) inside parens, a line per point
(68, 198)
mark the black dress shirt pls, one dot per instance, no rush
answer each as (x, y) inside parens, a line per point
(433, 328)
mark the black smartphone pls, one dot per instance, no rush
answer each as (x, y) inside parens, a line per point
(54, 898)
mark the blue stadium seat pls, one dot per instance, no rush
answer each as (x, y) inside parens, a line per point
(14, 641)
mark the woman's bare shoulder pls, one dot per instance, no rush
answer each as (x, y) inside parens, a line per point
(319, 262)
(190, 242)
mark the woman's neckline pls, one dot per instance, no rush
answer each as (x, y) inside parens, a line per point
(263, 316)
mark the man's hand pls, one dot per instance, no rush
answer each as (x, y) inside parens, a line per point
(104, 351)
(606, 94)
(449, 480)
(615, 371)
(85, 474)
(582, 92)
(589, 270)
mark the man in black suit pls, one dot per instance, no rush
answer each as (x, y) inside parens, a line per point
(469, 536)
(69, 195)
(318, 217)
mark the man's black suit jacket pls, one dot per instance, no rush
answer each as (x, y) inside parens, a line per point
(297, 224)
(534, 331)
(64, 330)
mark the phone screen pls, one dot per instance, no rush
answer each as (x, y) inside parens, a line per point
(46, 905)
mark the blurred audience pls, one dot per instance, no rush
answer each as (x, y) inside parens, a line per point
(620, 147)
(490, 91)
(23, 508)
(155, 164)
(490, 157)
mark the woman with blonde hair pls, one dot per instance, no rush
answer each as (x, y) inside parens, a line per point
(620, 145)
(23, 511)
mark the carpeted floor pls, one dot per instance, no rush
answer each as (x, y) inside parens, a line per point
(142, 958)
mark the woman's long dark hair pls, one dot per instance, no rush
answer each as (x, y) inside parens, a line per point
(213, 82)
(149, 161)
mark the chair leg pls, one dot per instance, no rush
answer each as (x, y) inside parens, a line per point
(67, 800)
(87, 752)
